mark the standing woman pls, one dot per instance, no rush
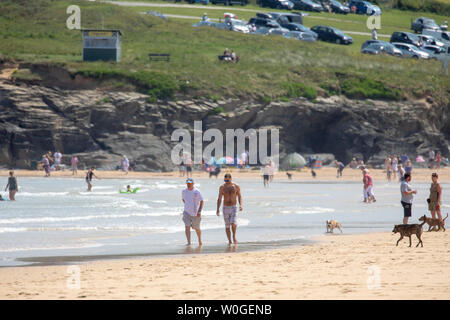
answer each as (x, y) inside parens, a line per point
(12, 184)
(89, 176)
(435, 197)
(46, 164)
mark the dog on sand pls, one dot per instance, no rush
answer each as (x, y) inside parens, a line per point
(408, 230)
(215, 172)
(433, 223)
(331, 224)
(289, 175)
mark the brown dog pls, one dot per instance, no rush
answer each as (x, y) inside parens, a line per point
(433, 223)
(331, 224)
(408, 230)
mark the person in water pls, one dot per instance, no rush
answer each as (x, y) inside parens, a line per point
(13, 186)
(129, 188)
(89, 176)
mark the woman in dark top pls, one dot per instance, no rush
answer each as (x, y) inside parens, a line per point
(89, 176)
(13, 186)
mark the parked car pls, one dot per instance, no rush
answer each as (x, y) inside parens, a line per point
(380, 48)
(405, 37)
(300, 28)
(307, 5)
(430, 40)
(424, 23)
(262, 22)
(434, 51)
(237, 25)
(277, 4)
(230, 2)
(369, 42)
(304, 36)
(331, 34)
(411, 51)
(364, 7)
(285, 18)
(443, 36)
(338, 7)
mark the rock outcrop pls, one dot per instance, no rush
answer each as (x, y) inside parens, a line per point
(101, 126)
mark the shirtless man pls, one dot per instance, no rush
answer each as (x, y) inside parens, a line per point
(229, 191)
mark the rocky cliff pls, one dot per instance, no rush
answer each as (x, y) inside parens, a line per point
(101, 126)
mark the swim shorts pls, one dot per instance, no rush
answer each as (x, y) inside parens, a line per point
(406, 209)
(229, 215)
(266, 177)
(191, 221)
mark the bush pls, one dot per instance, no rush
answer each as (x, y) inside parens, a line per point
(216, 111)
(296, 89)
(362, 88)
(433, 6)
(158, 85)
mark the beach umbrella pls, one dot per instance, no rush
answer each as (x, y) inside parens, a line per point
(229, 160)
(221, 161)
(293, 161)
(420, 159)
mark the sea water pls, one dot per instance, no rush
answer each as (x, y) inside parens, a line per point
(55, 220)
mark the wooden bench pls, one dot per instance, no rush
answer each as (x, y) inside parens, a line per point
(159, 56)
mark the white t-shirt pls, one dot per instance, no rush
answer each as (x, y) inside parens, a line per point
(192, 200)
(58, 157)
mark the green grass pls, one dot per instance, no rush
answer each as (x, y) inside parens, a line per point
(38, 34)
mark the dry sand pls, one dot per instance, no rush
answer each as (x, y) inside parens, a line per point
(337, 267)
(324, 174)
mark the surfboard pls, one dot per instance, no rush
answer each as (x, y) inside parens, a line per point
(128, 192)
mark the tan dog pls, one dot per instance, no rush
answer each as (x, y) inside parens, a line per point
(331, 224)
(433, 223)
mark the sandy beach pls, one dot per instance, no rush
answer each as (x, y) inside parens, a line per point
(339, 266)
(325, 174)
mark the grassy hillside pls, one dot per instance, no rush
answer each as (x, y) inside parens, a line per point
(270, 67)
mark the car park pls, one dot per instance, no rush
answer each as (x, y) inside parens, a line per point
(331, 34)
(411, 51)
(276, 4)
(307, 5)
(364, 7)
(338, 7)
(405, 37)
(424, 23)
(300, 36)
(382, 48)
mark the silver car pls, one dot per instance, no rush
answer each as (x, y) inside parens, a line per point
(411, 51)
(379, 48)
(304, 36)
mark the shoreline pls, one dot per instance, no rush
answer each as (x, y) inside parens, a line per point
(324, 175)
(336, 267)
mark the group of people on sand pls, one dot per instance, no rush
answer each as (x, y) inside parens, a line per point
(397, 166)
(53, 162)
(193, 201)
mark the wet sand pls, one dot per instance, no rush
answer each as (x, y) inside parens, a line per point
(339, 266)
(325, 174)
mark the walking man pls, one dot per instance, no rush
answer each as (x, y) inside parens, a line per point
(192, 213)
(407, 197)
(229, 191)
(125, 164)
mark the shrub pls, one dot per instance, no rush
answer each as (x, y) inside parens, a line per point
(296, 89)
(216, 111)
(362, 88)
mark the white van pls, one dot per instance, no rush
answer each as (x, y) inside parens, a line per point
(440, 35)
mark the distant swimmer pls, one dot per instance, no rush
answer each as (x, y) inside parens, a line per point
(89, 176)
(13, 186)
(192, 213)
(129, 188)
(229, 191)
(266, 174)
